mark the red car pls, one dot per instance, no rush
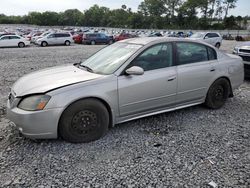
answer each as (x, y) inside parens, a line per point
(78, 38)
(124, 36)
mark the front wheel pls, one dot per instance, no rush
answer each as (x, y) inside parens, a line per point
(92, 42)
(67, 43)
(217, 94)
(217, 45)
(84, 121)
(43, 44)
(21, 45)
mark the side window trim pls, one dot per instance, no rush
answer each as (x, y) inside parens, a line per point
(214, 53)
(173, 56)
(189, 42)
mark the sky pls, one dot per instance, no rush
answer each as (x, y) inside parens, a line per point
(22, 7)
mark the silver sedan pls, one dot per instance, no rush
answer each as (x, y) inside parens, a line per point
(130, 79)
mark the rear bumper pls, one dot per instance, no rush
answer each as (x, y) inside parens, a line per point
(35, 124)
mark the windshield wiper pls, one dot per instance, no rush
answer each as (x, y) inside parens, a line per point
(84, 66)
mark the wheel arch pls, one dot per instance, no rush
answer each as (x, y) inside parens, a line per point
(229, 81)
(104, 102)
(45, 42)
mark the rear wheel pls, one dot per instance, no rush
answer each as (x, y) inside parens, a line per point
(43, 44)
(217, 94)
(21, 45)
(217, 45)
(92, 42)
(67, 43)
(84, 121)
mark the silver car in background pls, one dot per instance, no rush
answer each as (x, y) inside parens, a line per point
(211, 38)
(56, 39)
(243, 50)
(128, 80)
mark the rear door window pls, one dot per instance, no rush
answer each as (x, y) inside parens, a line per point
(191, 53)
(65, 35)
(14, 37)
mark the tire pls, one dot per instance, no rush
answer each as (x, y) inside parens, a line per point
(92, 42)
(67, 43)
(217, 45)
(218, 93)
(84, 121)
(44, 44)
(21, 45)
(110, 42)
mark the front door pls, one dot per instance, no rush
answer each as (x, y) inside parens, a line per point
(155, 89)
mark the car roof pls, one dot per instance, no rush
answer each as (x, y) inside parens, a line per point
(148, 40)
(10, 35)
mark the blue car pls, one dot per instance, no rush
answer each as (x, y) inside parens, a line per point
(97, 38)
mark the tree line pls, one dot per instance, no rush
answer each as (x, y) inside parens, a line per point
(155, 14)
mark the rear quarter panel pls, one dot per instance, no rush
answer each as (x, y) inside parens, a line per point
(230, 66)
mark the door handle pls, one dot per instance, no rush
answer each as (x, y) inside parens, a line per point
(212, 69)
(171, 78)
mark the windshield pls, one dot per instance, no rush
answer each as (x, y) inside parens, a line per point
(197, 35)
(109, 59)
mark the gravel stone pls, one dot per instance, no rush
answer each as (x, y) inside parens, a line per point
(184, 148)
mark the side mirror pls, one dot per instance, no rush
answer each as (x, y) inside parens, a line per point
(135, 70)
(206, 37)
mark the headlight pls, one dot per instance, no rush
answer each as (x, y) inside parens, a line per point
(34, 103)
(236, 50)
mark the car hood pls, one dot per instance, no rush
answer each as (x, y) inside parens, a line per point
(244, 44)
(51, 78)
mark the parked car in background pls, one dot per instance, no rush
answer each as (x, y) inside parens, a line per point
(55, 39)
(97, 38)
(2, 34)
(38, 35)
(13, 41)
(156, 34)
(243, 50)
(228, 37)
(78, 38)
(130, 79)
(124, 36)
(214, 39)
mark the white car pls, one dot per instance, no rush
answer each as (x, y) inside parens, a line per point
(35, 38)
(55, 39)
(13, 41)
(212, 38)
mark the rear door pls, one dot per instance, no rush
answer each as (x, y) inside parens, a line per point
(155, 89)
(51, 39)
(103, 38)
(59, 38)
(14, 40)
(196, 69)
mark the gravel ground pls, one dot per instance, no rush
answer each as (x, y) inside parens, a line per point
(186, 148)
